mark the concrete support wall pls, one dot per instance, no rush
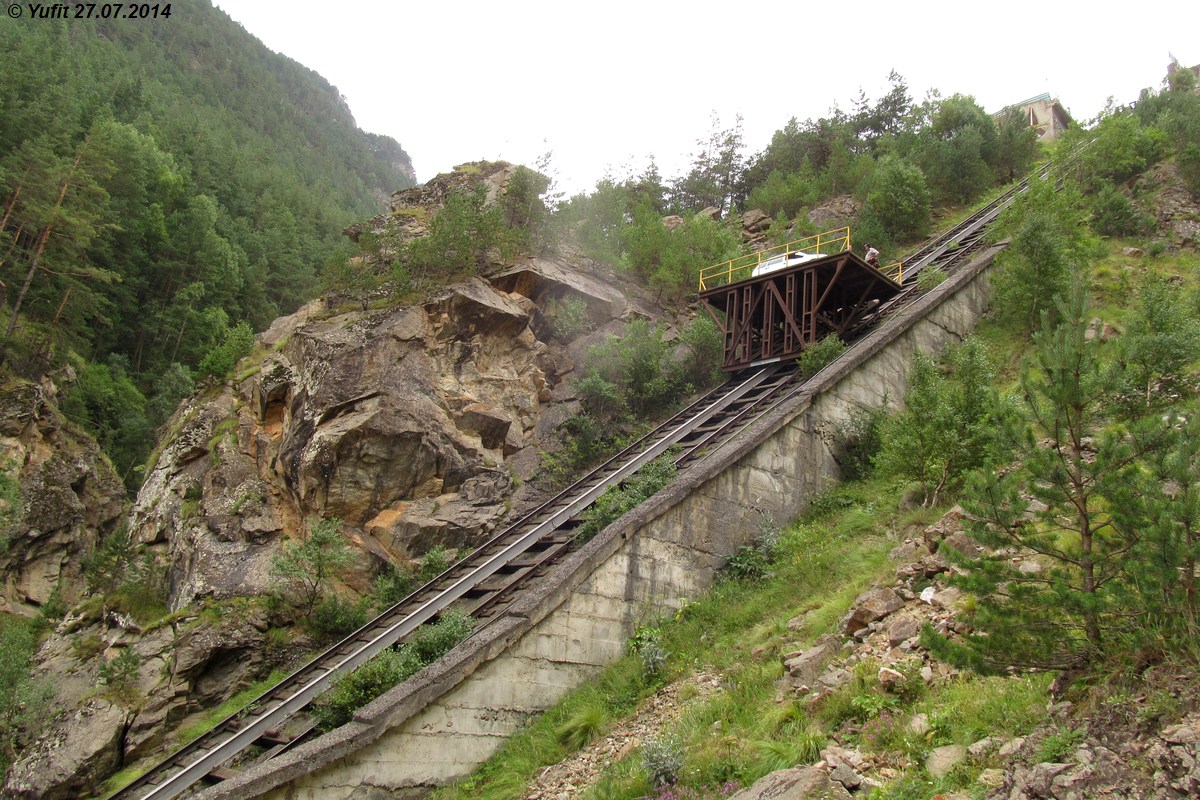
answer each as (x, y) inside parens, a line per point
(443, 723)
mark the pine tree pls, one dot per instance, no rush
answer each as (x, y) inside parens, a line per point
(1074, 461)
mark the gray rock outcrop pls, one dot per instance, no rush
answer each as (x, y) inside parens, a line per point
(70, 497)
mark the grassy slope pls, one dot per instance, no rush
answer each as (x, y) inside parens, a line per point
(741, 630)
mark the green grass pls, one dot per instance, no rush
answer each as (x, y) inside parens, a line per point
(822, 567)
(741, 733)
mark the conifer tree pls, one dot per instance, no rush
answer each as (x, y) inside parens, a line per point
(947, 426)
(1075, 462)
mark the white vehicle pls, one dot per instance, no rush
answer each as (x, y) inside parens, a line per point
(782, 262)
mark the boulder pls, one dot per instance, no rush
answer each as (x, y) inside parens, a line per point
(890, 679)
(902, 628)
(61, 766)
(941, 760)
(806, 665)
(835, 212)
(951, 522)
(800, 783)
(871, 606)
(755, 221)
(72, 499)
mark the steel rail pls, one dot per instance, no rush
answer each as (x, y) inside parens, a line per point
(375, 637)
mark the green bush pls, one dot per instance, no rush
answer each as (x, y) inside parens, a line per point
(931, 277)
(120, 674)
(948, 425)
(633, 374)
(353, 691)
(706, 351)
(334, 618)
(363, 685)
(618, 500)
(391, 586)
(237, 344)
(569, 318)
(431, 642)
(783, 193)
(752, 562)
(899, 199)
(1114, 215)
(23, 700)
(819, 355)
(306, 567)
(858, 440)
(435, 561)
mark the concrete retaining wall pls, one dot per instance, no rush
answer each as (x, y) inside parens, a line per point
(441, 724)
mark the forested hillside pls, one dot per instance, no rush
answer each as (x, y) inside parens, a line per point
(168, 186)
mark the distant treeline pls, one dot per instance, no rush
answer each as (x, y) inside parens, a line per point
(163, 183)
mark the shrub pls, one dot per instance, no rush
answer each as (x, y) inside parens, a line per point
(931, 277)
(1114, 215)
(306, 567)
(662, 759)
(1060, 743)
(817, 356)
(706, 351)
(120, 674)
(654, 659)
(435, 561)
(899, 198)
(353, 691)
(363, 685)
(237, 344)
(431, 642)
(634, 372)
(333, 618)
(569, 318)
(391, 586)
(785, 194)
(23, 700)
(752, 562)
(857, 441)
(620, 499)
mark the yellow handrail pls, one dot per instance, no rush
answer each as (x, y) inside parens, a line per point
(894, 271)
(826, 243)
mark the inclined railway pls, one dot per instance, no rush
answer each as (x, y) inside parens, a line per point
(486, 580)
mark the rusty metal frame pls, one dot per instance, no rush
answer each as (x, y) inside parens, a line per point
(775, 317)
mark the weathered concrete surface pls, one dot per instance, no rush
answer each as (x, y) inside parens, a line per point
(443, 722)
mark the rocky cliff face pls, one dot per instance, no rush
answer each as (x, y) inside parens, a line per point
(410, 425)
(69, 498)
(415, 426)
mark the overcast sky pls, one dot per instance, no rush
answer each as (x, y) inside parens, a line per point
(605, 86)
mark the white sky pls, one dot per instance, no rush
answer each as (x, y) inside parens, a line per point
(604, 86)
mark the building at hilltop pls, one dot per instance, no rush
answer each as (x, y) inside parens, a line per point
(1175, 66)
(1045, 114)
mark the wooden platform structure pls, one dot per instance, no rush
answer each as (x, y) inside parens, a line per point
(800, 296)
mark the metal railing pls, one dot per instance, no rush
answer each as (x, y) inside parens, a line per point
(736, 269)
(894, 272)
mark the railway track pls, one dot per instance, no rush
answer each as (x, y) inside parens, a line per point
(486, 580)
